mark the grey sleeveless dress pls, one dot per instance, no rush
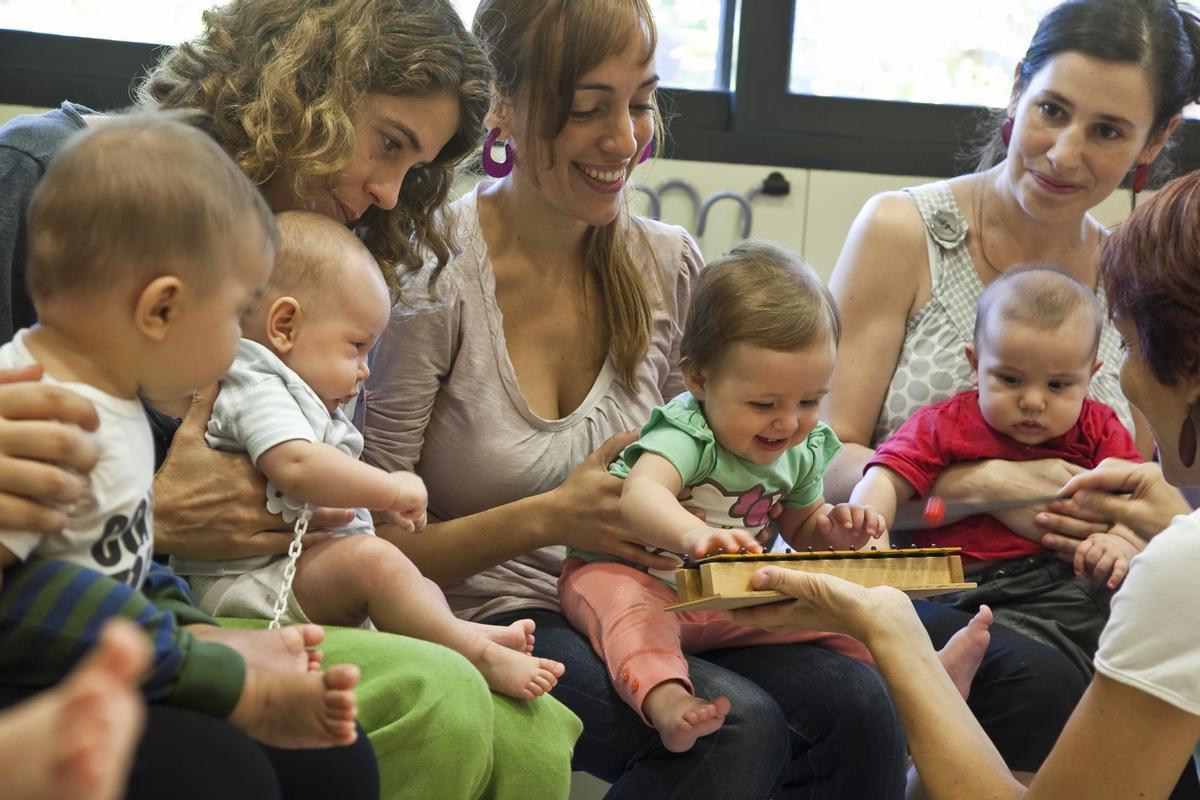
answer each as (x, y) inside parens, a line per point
(932, 366)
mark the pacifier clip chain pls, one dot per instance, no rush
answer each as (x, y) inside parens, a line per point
(289, 571)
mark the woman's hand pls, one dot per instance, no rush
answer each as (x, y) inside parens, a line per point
(996, 479)
(1135, 495)
(585, 512)
(820, 602)
(44, 450)
(209, 504)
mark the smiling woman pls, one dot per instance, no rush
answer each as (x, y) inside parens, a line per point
(558, 330)
(1097, 94)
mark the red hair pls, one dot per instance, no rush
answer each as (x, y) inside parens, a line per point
(1150, 270)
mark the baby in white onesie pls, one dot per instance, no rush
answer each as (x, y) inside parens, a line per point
(303, 356)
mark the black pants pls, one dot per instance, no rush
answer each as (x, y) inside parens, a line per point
(186, 755)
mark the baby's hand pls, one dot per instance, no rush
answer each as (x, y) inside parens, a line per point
(701, 542)
(408, 507)
(1104, 558)
(849, 527)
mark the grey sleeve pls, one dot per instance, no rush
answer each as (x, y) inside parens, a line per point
(19, 176)
(414, 357)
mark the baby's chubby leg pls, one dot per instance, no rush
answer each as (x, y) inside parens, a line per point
(344, 580)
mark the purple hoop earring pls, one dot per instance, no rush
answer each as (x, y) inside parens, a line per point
(494, 168)
(1006, 131)
(646, 153)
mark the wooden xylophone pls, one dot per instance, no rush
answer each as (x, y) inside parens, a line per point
(723, 581)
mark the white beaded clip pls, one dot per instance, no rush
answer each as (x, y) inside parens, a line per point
(289, 571)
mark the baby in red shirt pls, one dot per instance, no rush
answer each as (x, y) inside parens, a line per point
(1037, 331)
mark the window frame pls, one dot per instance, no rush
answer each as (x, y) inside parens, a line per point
(760, 122)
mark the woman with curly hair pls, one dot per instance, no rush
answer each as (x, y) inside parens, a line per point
(359, 110)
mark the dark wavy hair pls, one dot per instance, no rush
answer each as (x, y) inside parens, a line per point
(1160, 35)
(279, 81)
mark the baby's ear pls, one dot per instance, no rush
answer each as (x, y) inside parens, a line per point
(283, 320)
(1096, 367)
(157, 306)
(693, 379)
(973, 360)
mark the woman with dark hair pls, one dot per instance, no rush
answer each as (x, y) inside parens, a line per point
(1094, 101)
(359, 110)
(1139, 721)
(555, 333)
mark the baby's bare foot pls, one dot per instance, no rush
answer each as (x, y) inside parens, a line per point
(285, 650)
(517, 636)
(75, 741)
(517, 675)
(310, 710)
(963, 653)
(680, 717)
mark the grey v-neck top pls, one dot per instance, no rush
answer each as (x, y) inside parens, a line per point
(932, 366)
(443, 400)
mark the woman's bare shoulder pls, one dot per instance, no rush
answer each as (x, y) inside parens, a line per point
(886, 245)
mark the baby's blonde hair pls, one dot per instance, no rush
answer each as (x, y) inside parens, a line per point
(135, 197)
(761, 294)
(313, 252)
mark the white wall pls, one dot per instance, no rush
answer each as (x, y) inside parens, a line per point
(812, 219)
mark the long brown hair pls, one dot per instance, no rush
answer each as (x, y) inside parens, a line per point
(540, 48)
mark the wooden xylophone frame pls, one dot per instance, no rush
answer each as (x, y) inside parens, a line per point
(723, 581)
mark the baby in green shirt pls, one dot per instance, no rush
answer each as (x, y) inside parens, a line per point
(758, 353)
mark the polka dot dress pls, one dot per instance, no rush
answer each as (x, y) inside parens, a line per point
(932, 366)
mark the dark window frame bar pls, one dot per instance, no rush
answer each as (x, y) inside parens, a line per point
(762, 123)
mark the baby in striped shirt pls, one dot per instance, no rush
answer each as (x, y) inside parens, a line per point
(303, 356)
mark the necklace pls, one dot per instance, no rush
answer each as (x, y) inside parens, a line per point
(977, 202)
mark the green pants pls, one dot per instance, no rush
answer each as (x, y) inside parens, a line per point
(439, 732)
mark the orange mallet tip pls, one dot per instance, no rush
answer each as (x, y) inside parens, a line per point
(935, 511)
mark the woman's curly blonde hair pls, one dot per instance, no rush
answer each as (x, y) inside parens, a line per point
(278, 82)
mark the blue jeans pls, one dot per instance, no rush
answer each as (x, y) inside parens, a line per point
(805, 723)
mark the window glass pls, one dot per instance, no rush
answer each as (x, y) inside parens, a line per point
(154, 21)
(924, 51)
(920, 51)
(689, 30)
(689, 38)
